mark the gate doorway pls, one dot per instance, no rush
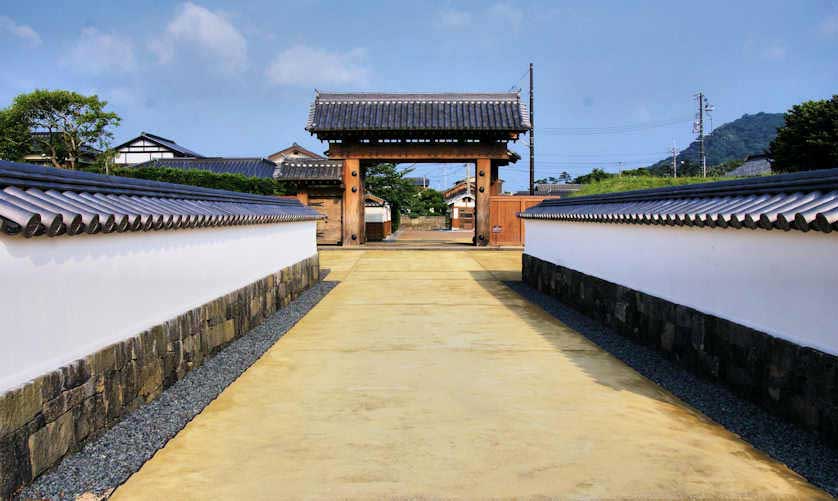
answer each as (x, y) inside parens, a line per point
(366, 129)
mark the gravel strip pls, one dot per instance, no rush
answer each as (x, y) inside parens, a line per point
(107, 461)
(799, 449)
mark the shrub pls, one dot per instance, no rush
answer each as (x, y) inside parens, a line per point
(206, 179)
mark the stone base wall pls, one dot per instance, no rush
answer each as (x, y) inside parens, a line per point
(424, 223)
(796, 382)
(55, 414)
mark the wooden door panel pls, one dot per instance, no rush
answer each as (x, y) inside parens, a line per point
(329, 230)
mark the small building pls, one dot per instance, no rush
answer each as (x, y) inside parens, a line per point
(293, 151)
(319, 184)
(147, 147)
(460, 201)
(755, 165)
(377, 217)
(461, 208)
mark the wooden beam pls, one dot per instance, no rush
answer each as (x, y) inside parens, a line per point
(419, 152)
(353, 203)
(484, 191)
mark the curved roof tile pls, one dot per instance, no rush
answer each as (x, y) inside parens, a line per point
(804, 201)
(37, 201)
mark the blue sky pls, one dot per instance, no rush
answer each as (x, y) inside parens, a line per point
(237, 78)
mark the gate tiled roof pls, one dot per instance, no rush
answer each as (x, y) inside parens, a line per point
(447, 112)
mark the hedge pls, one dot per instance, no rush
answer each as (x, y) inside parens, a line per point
(206, 179)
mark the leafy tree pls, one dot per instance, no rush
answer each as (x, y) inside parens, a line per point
(594, 176)
(62, 123)
(429, 202)
(15, 140)
(389, 183)
(809, 140)
(564, 177)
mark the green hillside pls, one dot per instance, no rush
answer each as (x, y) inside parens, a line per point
(631, 183)
(748, 135)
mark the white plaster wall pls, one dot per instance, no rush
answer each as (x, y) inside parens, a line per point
(66, 297)
(376, 214)
(781, 283)
(130, 158)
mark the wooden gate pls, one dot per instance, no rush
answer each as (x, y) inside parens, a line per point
(506, 227)
(329, 230)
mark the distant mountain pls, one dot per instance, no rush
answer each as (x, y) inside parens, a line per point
(748, 135)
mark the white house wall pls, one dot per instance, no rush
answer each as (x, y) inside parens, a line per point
(65, 297)
(782, 283)
(376, 214)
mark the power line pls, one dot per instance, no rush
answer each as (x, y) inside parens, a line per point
(614, 129)
(519, 80)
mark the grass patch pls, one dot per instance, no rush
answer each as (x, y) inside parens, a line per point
(631, 183)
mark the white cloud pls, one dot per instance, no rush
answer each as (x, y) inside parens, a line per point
(312, 67)
(829, 26)
(22, 31)
(454, 19)
(506, 16)
(209, 32)
(503, 15)
(97, 52)
(774, 52)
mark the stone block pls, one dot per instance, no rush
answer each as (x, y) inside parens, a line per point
(14, 463)
(150, 379)
(68, 400)
(75, 374)
(19, 406)
(51, 443)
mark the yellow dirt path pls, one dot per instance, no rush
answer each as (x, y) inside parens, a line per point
(422, 376)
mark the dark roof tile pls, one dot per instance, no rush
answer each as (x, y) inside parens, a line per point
(37, 200)
(499, 112)
(309, 169)
(803, 201)
(251, 167)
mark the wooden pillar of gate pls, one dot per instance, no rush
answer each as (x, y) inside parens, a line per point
(496, 184)
(484, 190)
(353, 203)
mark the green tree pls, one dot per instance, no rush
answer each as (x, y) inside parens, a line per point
(594, 176)
(15, 140)
(389, 183)
(809, 139)
(429, 202)
(62, 123)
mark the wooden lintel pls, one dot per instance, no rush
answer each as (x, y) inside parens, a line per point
(419, 152)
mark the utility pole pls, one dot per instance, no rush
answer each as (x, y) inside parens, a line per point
(532, 139)
(674, 160)
(468, 182)
(698, 127)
